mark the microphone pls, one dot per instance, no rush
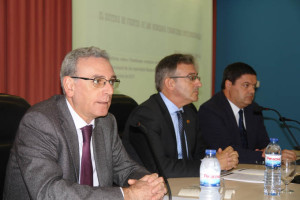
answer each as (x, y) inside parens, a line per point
(290, 120)
(143, 129)
(259, 109)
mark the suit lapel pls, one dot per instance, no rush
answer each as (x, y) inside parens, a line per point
(70, 133)
(166, 118)
(249, 126)
(166, 114)
(100, 153)
(231, 118)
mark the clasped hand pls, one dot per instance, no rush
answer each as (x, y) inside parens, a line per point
(285, 154)
(228, 158)
(149, 187)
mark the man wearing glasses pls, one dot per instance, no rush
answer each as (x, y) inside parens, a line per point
(171, 125)
(229, 117)
(67, 147)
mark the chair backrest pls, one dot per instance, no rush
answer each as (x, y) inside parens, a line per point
(12, 109)
(140, 140)
(142, 149)
(121, 107)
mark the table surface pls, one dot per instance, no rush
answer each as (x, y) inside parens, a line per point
(243, 190)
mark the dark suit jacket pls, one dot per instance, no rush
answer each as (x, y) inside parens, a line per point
(154, 115)
(219, 128)
(44, 161)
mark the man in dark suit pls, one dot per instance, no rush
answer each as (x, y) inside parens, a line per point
(229, 117)
(178, 150)
(67, 147)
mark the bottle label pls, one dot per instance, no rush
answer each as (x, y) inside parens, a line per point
(210, 180)
(273, 160)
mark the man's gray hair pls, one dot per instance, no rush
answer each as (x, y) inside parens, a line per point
(69, 64)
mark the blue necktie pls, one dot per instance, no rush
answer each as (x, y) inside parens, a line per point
(181, 132)
(243, 132)
(86, 172)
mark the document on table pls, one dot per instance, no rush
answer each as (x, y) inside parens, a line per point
(191, 191)
(245, 175)
(194, 191)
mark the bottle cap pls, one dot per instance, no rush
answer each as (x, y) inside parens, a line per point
(274, 140)
(210, 152)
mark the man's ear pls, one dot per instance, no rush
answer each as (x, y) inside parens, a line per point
(169, 83)
(68, 84)
(228, 84)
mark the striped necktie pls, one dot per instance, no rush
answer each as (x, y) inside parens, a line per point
(182, 137)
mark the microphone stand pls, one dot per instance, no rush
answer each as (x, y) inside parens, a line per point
(282, 119)
(144, 131)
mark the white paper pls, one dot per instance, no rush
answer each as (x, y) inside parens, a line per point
(250, 171)
(246, 175)
(192, 191)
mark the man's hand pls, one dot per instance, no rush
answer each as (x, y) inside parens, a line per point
(149, 187)
(263, 151)
(288, 154)
(285, 154)
(228, 158)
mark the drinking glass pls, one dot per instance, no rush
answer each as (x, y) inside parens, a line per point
(288, 171)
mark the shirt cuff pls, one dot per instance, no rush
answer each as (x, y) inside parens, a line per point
(122, 191)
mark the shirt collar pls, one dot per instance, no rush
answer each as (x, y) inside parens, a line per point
(172, 108)
(234, 108)
(78, 121)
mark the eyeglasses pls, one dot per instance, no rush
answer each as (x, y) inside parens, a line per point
(99, 82)
(190, 76)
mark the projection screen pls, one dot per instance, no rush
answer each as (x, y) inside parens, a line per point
(138, 33)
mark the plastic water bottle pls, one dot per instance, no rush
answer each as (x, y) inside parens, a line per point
(272, 172)
(210, 176)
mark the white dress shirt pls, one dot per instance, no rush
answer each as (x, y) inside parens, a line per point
(172, 108)
(236, 110)
(79, 123)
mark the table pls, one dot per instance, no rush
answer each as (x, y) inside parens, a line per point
(243, 190)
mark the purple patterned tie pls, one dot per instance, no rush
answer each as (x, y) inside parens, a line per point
(86, 173)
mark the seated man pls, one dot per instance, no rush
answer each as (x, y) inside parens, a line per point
(228, 118)
(67, 147)
(171, 124)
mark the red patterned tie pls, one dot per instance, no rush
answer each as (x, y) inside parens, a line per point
(86, 173)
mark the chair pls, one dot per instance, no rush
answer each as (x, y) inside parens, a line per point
(143, 147)
(121, 107)
(12, 109)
